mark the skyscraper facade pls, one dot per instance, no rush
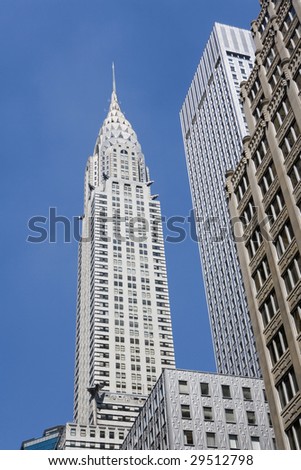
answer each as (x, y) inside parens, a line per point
(198, 410)
(265, 197)
(124, 336)
(213, 126)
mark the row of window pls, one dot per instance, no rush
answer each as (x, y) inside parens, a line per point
(205, 390)
(212, 443)
(208, 414)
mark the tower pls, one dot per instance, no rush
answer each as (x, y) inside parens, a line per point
(264, 194)
(213, 125)
(123, 327)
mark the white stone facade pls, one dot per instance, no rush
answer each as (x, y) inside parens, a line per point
(198, 410)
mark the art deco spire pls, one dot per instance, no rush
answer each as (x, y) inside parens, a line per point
(116, 126)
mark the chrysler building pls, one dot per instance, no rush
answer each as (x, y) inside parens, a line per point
(123, 327)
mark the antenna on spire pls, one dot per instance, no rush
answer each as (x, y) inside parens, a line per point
(114, 80)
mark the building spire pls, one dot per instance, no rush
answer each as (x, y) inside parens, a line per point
(114, 80)
(114, 100)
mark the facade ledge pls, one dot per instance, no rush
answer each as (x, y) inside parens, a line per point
(282, 11)
(263, 165)
(282, 366)
(292, 411)
(244, 200)
(250, 227)
(267, 199)
(294, 296)
(257, 135)
(257, 258)
(237, 175)
(293, 153)
(278, 93)
(272, 327)
(265, 289)
(285, 126)
(274, 229)
(288, 256)
(295, 61)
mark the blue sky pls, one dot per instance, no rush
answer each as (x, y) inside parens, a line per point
(55, 87)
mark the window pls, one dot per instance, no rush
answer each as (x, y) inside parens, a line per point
(294, 39)
(281, 113)
(269, 308)
(254, 243)
(260, 152)
(294, 435)
(204, 389)
(277, 346)
(255, 442)
(102, 434)
(111, 434)
(275, 207)
(284, 239)
(188, 438)
(185, 411)
(275, 76)
(211, 439)
(226, 392)
(261, 274)
(208, 415)
(183, 387)
(267, 178)
(270, 58)
(72, 432)
(229, 415)
(296, 314)
(293, 274)
(290, 138)
(248, 213)
(246, 391)
(251, 418)
(254, 90)
(242, 187)
(258, 110)
(287, 388)
(233, 441)
(288, 21)
(295, 171)
(264, 22)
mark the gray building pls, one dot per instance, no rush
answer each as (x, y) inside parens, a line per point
(213, 126)
(198, 410)
(264, 194)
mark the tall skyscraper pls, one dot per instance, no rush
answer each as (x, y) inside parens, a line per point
(213, 126)
(124, 336)
(265, 194)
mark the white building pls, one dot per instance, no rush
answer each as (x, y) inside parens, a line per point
(124, 336)
(198, 410)
(213, 126)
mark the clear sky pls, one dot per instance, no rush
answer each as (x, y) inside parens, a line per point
(55, 87)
